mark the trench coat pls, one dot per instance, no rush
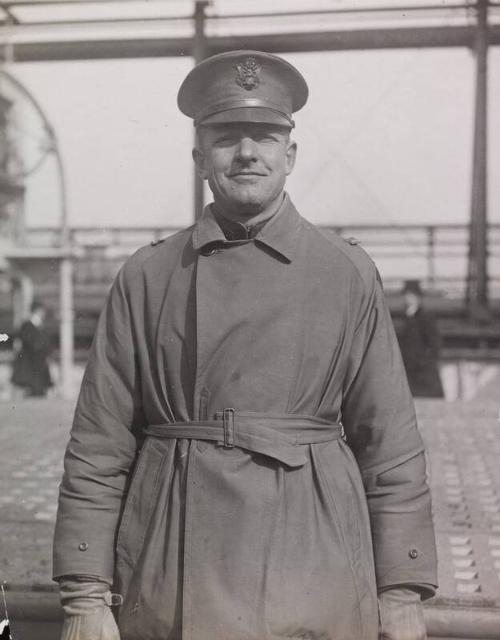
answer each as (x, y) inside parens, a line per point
(420, 342)
(244, 458)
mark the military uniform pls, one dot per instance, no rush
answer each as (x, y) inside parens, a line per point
(269, 537)
(244, 460)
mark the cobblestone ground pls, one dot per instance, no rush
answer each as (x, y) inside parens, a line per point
(463, 443)
(33, 435)
(463, 451)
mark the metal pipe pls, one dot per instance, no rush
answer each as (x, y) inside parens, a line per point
(66, 333)
(453, 620)
(31, 49)
(449, 8)
(199, 53)
(478, 259)
(431, 263)
(348, 11)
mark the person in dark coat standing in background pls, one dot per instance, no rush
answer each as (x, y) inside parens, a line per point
(420, 342)
(244, 462)
(30, 369)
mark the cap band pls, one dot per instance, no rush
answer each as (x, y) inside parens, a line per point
(206, 114)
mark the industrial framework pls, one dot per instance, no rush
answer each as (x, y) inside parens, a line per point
(36, 30)
(63, 30)
(50, 30)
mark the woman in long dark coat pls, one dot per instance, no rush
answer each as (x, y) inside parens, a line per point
(30, 369)
(420, 342)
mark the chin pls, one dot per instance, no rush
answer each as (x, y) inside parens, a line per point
(251, 208)
(246, 206)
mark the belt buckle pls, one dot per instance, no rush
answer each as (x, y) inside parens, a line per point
(228, 426)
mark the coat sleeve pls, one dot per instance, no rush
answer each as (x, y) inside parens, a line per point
(102, 447)
(380, 423)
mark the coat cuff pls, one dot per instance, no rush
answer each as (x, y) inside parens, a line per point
(81, 553)
(404, 557)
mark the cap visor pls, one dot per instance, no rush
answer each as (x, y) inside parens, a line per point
(248, 114)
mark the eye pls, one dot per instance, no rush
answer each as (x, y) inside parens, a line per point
(225, 140)
(266, 137)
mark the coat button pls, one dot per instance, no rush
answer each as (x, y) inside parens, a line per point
(413, 553)
(83, 546)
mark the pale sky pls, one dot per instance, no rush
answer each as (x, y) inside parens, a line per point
(385, 138)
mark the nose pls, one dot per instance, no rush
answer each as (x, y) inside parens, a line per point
(247, 150)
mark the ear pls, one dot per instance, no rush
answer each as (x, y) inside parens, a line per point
(199, 160)
(291, 153)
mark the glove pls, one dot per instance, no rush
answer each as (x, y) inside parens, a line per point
(87, 613)
(401, 615)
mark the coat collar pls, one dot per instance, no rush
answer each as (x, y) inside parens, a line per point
(280, 233)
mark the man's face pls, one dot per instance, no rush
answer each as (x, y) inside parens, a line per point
(245, 163)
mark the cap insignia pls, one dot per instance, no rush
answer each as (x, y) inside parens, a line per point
(247, 74)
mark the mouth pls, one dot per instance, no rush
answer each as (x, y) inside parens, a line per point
(246, 174)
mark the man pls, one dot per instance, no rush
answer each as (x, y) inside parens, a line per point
(244, 415)
(420, 342)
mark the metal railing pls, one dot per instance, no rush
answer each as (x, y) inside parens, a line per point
(436, 254)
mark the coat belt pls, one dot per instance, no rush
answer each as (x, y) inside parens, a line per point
(284, 437)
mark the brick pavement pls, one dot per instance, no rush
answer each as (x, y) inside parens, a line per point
(33, 435)
(463, 442)
(463, 450)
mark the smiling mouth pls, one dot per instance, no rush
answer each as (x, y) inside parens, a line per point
(246, 174)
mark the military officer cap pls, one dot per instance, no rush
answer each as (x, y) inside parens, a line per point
(243, 86)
